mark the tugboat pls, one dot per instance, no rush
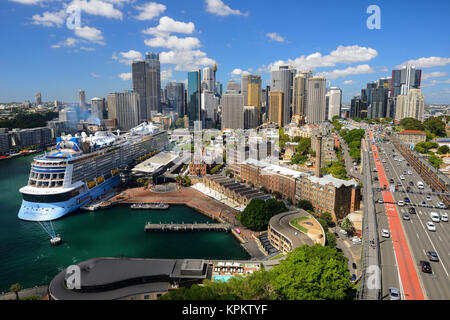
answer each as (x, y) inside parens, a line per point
(55, 240)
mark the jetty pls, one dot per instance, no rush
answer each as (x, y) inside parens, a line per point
(187, 227)
(143, 206)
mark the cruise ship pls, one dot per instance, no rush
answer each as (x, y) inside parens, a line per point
(82, 168)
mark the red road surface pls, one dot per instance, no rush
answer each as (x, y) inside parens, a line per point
(407, 270)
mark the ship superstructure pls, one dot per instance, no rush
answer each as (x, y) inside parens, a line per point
(82, 168)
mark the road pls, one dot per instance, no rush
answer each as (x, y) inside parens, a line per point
(436, 285)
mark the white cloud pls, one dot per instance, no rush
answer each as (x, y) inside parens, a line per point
(128, 56)
(186, 60)
(168, 25)
(275, 37)
(429, 62)
(68, 43)
(433, 83)
(87, 49)
(342, 54)
(173, 42)
(339, 73)
(150, 10)
(166, 75)
(50, 19)
(28, 1)
(347, 82)
(125, 76)
(94, 75)
(98, 8)
(435, 74)
(238, 73)
(219, 8)
(91, 34)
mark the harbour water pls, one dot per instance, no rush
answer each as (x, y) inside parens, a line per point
(27, 257)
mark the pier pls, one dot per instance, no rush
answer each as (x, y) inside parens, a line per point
(187, 227)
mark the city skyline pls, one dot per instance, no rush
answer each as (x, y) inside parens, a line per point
(97, 56)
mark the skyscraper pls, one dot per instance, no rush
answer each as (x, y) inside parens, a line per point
(379, 97)
(194, 96)
(124, 107)
(233, 85)
(208, 79)
(316, 101)
(176, 97)
(408, 77)
(276, 108)
(244, 88)
(334, 99)
(147, 84)
(232, 110)
(38, 99)
(282, 80)
(97, 108)
(410, 105)
(254, 91)
(251, 117)
(82, 100)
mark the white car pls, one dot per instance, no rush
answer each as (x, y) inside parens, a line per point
(356, 240)
(400, 203)
(409, 172)
(435, 217)
(442, 205)
(431, 226)
(385, 233)
(428, 198)
(444, 217)
(402, 178)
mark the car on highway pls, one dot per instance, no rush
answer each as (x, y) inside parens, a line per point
(407, 164)
(404, 172)
(412, 210)
(402, 177)
(444, 217)
(431, 226)
(435, 217)
(391, 181)
(441, 205)
(394, 294)
(380, 200)
(408, 189)
(420, 185)
(428, 198)
(411, 184)
(406, 200)
(426, 266)
(375, 179)
(385, 233)
(400, 203)
(433, 256)
(423, 204)
(409, 172)
(406, 217)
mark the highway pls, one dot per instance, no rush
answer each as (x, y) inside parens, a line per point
(435, 286)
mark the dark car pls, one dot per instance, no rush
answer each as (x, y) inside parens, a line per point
(407, 200)
(408, 189)
(412, 210)
(426, 266)
(391, 181)
(411, 184)
(406, 217)
(375, 179)
(433, 256)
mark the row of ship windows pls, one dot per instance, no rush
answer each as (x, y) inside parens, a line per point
(50, 184)
(36, 175)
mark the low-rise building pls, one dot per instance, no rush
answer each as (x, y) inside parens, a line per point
(411, 137)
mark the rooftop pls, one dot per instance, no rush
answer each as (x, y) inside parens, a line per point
(335, 181)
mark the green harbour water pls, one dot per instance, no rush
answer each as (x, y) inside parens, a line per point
(27, 257)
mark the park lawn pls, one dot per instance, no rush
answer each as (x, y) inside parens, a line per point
(295, 224)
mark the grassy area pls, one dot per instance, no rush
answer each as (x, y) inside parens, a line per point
(35, 297)
(277, 256)
(295, 223)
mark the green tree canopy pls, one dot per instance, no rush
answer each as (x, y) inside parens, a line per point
(412, 124)
(436, 126)
(305, 205)
(444, 149)
(435, 161)
(331, 239)
(258, 212)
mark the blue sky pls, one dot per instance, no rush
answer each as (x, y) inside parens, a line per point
(40, 53)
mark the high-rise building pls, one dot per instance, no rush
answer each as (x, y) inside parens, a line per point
(254, 91)
(408, 77)
(244, 88)
(233, 85)
(232, 110)
(208, 82)
(97, 108)
(251, 117)
(379, 97)
(176, 97)
(299, 93)
(316, 101)
(282, 80)
(210, 105)
(219, 89)
(194, 96)
(38, 99)
(334, 102)
(358, 108)
(125, 108)
(276, 108)
(410, 105)
(147, 84)
(82, 100)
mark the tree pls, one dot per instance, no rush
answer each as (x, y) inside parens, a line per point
(324, 224)
(435, 161)
(277, 195)
(436, 126)
(313, 273)
(258, 212)
(305, 205)
(327, 217)
(412, 124)
(179, 123)
(444, 149)
(347, 225)
(16, 288)
(331, 239)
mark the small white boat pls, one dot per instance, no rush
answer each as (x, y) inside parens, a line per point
(55, 241)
